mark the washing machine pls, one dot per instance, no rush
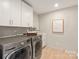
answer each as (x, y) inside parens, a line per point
(36, 47)
(16, 50)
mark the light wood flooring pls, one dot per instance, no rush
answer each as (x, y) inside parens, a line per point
(49, 53)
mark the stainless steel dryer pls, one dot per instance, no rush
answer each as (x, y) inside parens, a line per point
(16, 50)
(36, 47)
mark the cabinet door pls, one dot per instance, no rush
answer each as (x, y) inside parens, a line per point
(10, 12)
(27, 15)
(5, 13)
(16, 12)
(30, 17)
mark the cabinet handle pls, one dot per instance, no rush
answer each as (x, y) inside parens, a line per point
(28, 24)
(10, 22)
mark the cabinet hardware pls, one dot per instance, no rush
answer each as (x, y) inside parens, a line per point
(10, 22)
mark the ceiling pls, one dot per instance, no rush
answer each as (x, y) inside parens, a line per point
(43, 6)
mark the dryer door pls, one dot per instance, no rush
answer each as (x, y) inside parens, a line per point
(23, 53)
(38, 48)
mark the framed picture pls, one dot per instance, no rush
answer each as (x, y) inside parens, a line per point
(58, 25)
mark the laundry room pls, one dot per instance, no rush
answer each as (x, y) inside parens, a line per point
(38, 29)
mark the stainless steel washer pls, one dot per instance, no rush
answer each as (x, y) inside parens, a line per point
(36, 47)
(17, 50)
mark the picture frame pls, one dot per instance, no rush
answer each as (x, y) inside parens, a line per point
(58, 26)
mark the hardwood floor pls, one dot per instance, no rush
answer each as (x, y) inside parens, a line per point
(49, 53)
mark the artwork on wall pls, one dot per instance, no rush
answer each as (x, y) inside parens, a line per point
(58, 25)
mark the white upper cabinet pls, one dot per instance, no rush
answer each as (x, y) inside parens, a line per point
(15, 13)
(27, 15)
(10, 12)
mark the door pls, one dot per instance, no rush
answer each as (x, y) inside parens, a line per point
(23, 53)
(27, 15)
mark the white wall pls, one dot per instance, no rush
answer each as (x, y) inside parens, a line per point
(35, 21)
(67, 40)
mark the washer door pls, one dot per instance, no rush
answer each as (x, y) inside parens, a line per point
(23, 53)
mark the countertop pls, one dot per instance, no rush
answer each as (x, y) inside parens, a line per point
(14, 39)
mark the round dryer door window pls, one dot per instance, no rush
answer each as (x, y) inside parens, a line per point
(23, 53)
